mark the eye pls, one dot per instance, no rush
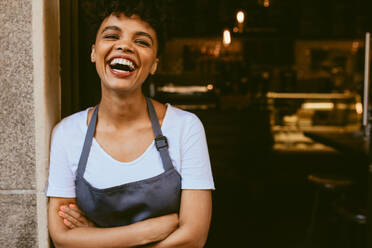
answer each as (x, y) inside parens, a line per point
(111, 36)
(143, 43)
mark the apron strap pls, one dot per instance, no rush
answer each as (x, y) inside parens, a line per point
(87, 143)
(161, 141)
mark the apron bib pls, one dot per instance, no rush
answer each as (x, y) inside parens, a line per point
(131, 202)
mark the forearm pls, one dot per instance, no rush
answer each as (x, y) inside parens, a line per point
(140, 233)
(194, 219)
(180, 238)
(127, 236)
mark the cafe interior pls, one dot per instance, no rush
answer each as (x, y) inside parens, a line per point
(282, 88)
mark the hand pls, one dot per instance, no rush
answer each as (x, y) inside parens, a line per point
(73, 217)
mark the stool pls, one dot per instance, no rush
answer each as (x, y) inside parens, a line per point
(353, 228)
(331, 184)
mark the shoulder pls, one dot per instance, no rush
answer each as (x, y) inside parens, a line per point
(182, 115)
(186, 120)
(71, 125)
(175, 116)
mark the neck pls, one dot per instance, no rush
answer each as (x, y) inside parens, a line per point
(121, 111)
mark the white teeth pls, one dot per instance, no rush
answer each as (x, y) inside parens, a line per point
(123, 62)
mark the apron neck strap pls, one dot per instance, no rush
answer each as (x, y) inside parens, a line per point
(87, 143)
(161, 142)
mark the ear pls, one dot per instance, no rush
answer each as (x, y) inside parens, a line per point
(93, 54)
(154, 66)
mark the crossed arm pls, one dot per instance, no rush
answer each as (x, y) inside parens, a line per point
(188, 229)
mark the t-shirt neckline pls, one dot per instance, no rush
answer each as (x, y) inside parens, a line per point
(140, 157)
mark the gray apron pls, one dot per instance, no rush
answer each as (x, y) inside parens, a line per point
(131, 202)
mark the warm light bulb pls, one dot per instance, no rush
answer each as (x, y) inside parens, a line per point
(240, 16)
(226, 37)
(359, 108)
(355, 46)
(266, 3)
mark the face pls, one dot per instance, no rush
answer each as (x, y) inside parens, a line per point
(124, 53)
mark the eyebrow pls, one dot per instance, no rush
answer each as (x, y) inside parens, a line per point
(115, 28)
(139, 33)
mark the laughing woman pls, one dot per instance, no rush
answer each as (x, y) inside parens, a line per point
(130, 171)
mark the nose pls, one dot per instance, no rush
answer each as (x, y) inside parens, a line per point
(124, 46)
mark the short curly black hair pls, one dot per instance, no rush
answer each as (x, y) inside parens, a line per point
(153, 12)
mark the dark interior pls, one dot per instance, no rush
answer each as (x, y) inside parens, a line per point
(292, 69)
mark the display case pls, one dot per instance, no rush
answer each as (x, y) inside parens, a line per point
(291, 114)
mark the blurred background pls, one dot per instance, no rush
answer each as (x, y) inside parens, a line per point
(279, 87)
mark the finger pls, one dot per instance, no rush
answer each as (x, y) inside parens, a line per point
(71, 212)
(82, 217)
(71, 219)
(75, 208)
(74, 212)
(68, 224)
(90, 224)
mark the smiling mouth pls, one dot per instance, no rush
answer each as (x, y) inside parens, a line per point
(122, 65)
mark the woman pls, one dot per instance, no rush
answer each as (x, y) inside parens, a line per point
(110, 183)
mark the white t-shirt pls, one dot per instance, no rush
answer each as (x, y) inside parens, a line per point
(187, 148)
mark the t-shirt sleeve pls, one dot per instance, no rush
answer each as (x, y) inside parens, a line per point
(195, 163)
(61, 181)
